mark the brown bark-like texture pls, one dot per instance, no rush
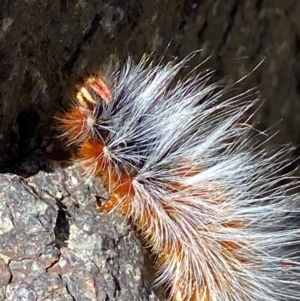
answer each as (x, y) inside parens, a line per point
(54, 245)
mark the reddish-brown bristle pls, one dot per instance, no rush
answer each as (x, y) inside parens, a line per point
(73, 124)
(91, 155)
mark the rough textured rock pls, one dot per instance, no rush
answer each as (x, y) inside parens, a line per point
(54, 245)
(52, 242)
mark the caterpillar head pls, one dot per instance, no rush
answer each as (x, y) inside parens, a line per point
(79, 123)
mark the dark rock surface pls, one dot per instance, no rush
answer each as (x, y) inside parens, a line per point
(46, 45)
(53, 244)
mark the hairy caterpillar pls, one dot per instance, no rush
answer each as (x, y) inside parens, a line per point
(180, 166)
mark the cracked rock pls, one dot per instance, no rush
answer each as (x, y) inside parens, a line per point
(55, 245)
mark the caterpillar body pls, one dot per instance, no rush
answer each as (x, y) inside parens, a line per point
(180, 165)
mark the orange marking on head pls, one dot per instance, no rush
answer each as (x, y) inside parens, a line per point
(101, 89)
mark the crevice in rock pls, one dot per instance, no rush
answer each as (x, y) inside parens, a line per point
(62, 228)
(231, 20)
(117, 286)
(83, 45)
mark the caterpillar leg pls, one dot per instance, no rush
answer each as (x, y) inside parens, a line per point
(121, 197)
